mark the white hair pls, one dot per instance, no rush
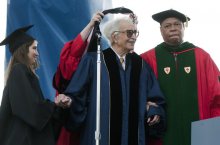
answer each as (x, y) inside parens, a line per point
(114, 25)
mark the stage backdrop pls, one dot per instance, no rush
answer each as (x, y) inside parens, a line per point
(55, 22)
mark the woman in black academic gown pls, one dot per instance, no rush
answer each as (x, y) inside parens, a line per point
(26, 118)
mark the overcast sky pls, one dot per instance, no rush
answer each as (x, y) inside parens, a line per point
(203, 29)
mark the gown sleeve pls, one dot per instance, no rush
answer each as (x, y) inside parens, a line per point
(155, 95)
(70, 57)
(78, 89)
(26, 99)
(213, 87)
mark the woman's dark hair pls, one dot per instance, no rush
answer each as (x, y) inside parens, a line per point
(21, 56)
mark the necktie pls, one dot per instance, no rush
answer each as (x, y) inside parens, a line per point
(122, 62)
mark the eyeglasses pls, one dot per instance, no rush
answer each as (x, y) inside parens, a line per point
(130, 33)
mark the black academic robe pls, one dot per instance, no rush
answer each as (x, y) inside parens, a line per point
(26, 118)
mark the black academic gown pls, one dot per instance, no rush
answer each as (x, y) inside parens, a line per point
(26, 118)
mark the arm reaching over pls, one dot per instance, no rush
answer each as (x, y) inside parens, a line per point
(71, 55)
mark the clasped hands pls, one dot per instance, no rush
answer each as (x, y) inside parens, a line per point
(63, 101)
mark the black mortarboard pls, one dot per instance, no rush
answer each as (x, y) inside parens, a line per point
(161, 16)
(17, 38)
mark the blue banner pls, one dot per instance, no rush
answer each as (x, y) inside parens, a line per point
(55, 23)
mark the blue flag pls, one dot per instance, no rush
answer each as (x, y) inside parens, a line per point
(55, 23)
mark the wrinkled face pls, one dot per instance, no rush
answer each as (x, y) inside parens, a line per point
(33, 53)
(172, 31)
(126, 36)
